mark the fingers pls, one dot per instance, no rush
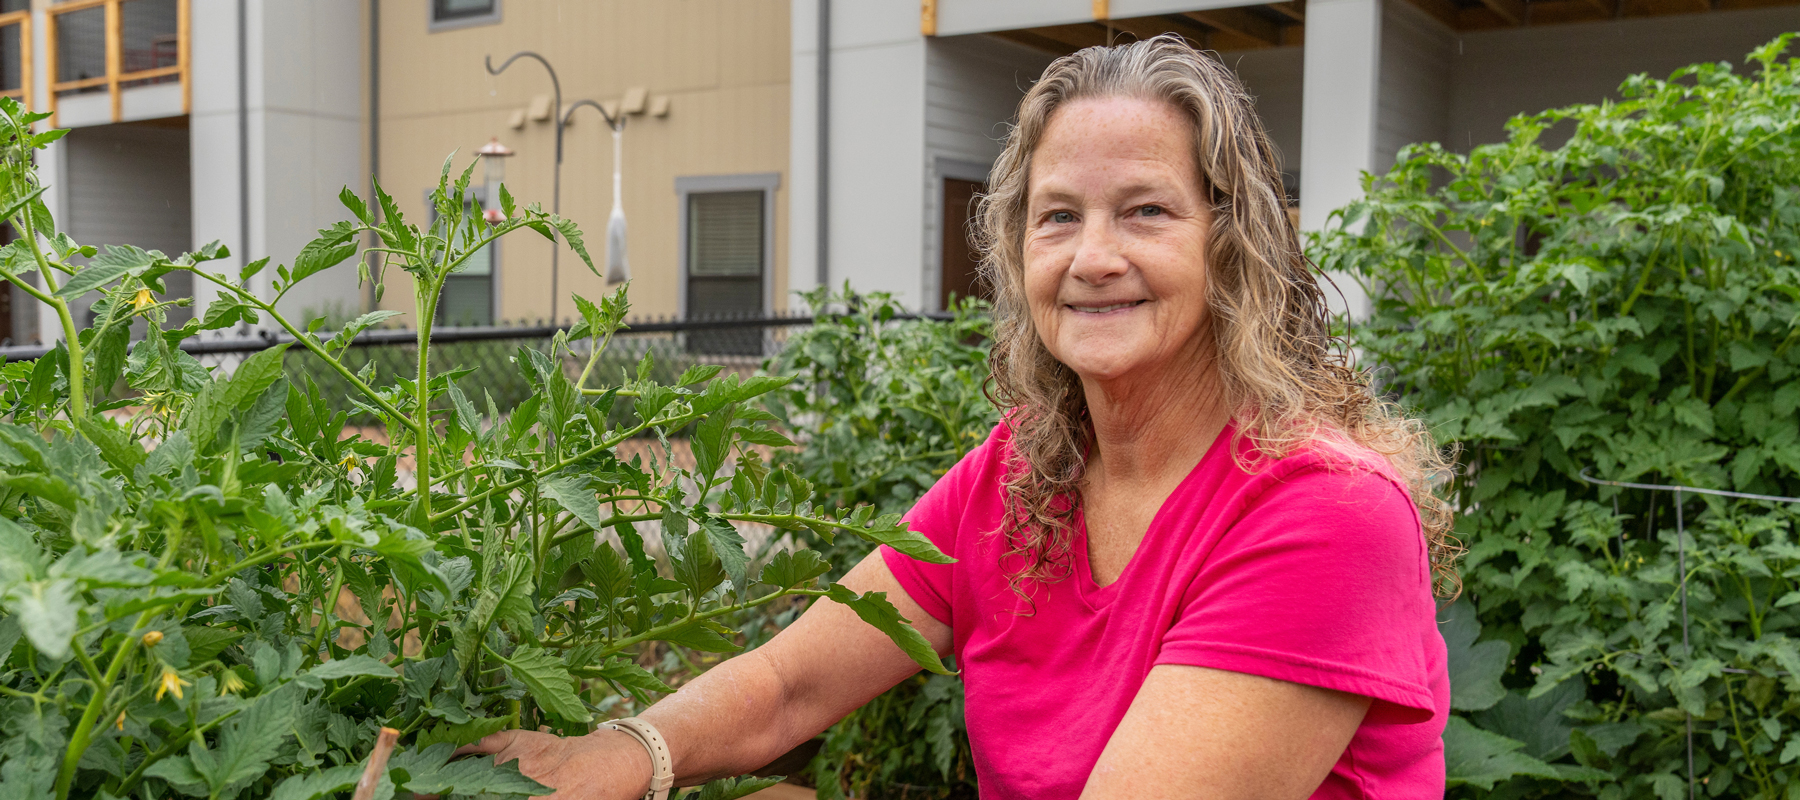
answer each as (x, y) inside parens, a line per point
(491, 743)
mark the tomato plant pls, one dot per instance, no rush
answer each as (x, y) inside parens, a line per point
(213, 587)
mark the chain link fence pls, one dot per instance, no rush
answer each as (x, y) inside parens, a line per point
(488, 354)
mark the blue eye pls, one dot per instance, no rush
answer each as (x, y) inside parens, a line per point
(1150, 211)
(1062, 217)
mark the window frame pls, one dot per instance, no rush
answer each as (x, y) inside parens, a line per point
(477, 196)
(765, 182)
(434, 25)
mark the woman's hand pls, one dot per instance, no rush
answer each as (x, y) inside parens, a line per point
(603, 765)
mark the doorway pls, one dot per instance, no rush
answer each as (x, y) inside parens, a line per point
(961, 262)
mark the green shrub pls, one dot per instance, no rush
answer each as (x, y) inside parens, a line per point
(883, 408)
(208, 592)
(1626, 305)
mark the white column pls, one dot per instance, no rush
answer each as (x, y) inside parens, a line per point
(218, 202)
(1339, 115)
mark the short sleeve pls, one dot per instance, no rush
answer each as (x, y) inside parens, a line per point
(1324, 581)
(939, 516)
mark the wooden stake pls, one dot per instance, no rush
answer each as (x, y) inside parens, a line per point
(384, 747)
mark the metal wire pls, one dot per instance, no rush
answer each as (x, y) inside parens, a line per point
(1681, 565)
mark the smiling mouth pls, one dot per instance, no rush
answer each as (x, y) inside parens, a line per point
(1103, 309)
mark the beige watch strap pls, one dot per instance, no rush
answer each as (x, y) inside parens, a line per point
(662, 765)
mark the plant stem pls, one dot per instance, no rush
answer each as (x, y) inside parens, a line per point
(327, 605)
(422, 426)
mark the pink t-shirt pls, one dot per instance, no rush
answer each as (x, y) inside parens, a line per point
(1313, 570)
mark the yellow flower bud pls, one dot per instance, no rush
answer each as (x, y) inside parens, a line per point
(171, 682)
(153, 638)
(142, 299)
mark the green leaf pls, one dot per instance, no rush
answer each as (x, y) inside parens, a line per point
(734, 788)
(116, 446)
(429, 770)
(890, 530)
(249, 742)
(1479, 758)
(254, 376)
(462, 733)
(696, 636)
(549, 682)
(1537, 722)
(251, 269)
(629, 675)
(790, 568)
(119, 261)
(357, 207)
(46, 611)
(351, 666)
(326, 783)
(575, 494)
(875, 609)
(728, 545)
(334, 245)
(572, 235)
(206, 643)
(355, 327)
(1475, 668)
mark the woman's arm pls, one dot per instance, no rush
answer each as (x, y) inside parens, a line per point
(1194, 732)
(747, 711)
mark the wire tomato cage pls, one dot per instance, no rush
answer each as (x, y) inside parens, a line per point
(1682, 572)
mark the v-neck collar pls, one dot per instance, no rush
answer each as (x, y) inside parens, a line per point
(1097, 596)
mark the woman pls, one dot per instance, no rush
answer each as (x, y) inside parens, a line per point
(1189, 561)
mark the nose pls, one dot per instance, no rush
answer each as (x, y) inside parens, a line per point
(1099, 258)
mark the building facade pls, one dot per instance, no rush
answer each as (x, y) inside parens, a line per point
(702, 89)
(190, 121)
(752, 167)
(918, 96)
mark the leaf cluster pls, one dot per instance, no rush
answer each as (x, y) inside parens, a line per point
(212, 585)
(1624, 305)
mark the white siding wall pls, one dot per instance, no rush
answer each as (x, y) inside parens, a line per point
(877, 147)
(1497, 74)
(128, 184)
(1274, 78)
(1415, 81)
(973, 86)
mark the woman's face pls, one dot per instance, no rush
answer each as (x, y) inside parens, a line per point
(1115, 240)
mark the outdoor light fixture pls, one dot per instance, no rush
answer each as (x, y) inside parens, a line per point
(616, 269)
(493, 165)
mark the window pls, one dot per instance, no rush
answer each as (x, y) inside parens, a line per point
(725, 254)
(447, 14)
(727, 243)
(468, 298)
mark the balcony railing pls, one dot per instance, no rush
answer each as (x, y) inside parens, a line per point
(15, 55)
(113, 45)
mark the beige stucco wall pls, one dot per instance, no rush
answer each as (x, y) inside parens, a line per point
(723, 64)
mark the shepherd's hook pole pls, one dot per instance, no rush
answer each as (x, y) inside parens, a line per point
(556, 118)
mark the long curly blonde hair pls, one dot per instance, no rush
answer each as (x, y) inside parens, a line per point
(1288, 379)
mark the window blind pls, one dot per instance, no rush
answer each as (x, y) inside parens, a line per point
(725, 234)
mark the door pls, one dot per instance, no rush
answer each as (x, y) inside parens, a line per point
(961, 274)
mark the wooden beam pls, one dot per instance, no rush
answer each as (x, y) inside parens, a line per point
(1242, 22)
(1442, 10)
(1607, 8)
(1145, 27)
(1035, 42)
(1293, 9)
(1513, 11)
(115, 55)
(928, 17)
(1077, 36)
(1102, 9)
(1293, 35)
